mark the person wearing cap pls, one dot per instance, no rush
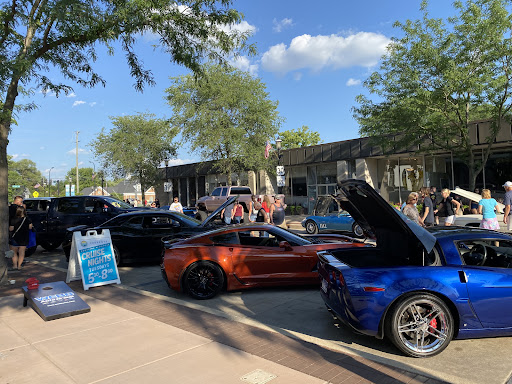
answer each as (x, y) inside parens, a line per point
(277, 214)
(507, 201)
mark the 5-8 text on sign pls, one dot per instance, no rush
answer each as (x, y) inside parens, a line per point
(92, 259)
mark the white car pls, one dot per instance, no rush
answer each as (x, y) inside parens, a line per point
(473, 220)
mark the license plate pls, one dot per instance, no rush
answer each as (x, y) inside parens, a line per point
(324, 285)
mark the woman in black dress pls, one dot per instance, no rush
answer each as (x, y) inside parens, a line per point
(19, 227)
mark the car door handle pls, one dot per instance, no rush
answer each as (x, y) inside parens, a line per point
(463, 277)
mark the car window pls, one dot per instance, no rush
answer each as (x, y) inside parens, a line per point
(260, 239)
(216, 192)
(117, 203)
(93, 205)
(133, 223)
(486, 252)
(161, 222)
(31, 205)
(225, 238)
(224, 192)
(70, 206)
(240, 191)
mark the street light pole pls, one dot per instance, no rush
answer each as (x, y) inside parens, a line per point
(279, 173)
(50, 181)
(93, 175)
(166, 161)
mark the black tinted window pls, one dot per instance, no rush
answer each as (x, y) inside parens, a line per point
(134, 222)
(93, 205)
(240, 191)
(31, 205)
(70, 206)
(216, 192)
(226, 238)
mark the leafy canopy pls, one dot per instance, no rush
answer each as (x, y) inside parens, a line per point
(23, 173)
(440, 76)
(135, 146)
(226, 115)
(300, 137)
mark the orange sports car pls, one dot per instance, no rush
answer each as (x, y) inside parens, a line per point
(245, 256)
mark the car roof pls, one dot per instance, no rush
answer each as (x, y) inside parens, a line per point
(442, 232)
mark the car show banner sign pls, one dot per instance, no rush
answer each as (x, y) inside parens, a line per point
(92, 259)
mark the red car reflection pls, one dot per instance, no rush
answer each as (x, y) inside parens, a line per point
(245, 256)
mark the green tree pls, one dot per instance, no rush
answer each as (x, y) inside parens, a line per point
(23, 173)
(85, 178)
(300, 137)
(36, 36)
(440, 76)
(226, 116)
(135, 147)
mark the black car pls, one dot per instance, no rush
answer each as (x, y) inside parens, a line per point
(137, 236)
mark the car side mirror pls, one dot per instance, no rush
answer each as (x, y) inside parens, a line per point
(285, 245)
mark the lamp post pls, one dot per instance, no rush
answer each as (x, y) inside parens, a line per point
(50, 181)
(166, 161)
(280, 168)
(93, 175)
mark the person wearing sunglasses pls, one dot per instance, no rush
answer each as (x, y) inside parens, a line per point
(410, 209)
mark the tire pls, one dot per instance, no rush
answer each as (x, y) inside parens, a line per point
(117, 256)
(420, 325)
(311, 227)
(203, 280)
(201, 216)
(357, 230)
(48, 245)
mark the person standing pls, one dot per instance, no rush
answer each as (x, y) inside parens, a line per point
(253, 212)
(226, 213)
(487, 207)
(410, 209)
(17, 202)
(473, 205)
(277, 214)
(445, 209)
(427, 211)
(19, 228)
(507, 215)
(176, 205)
(157, 202)
(237, 213)
(266, 206)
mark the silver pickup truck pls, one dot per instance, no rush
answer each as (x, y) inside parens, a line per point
(220, 194)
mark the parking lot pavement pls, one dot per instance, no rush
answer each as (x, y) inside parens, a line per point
(299, 313)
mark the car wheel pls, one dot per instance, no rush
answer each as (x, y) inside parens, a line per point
(30, 251)
(311, 227)
(48, 245)
(201, 216)
(203, 280)
(357, 230)
(421, 325)
(117, 256)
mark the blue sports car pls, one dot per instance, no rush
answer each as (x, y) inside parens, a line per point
(329, 217)
(420, 288)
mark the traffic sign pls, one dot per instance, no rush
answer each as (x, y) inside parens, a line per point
(15, 186)
(35, 194)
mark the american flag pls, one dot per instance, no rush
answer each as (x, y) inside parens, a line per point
(268, 147)
(37, 185)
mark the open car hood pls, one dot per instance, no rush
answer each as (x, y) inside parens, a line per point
(212, 216)
(323, 203)
(376, 216)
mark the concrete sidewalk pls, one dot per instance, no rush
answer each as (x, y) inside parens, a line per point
(114, 345)
(131, 338)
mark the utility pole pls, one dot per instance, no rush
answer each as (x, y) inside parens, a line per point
(77, 182)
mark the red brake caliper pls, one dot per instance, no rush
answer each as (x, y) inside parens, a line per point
(433, 323)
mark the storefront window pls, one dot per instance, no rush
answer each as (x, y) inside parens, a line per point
(299, 185)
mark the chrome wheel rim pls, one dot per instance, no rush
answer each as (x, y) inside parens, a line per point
(203, 281)
(358, 231)
(423, 326)
(310, 227)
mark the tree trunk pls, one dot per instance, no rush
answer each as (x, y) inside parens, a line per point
(4, 208)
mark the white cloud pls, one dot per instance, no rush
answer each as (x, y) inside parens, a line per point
(244, 64)
(297, 76)
(72, 94)
(81, 151)
(351, 82)
(15, 156)
(78, 102)
(322, 52)
(93, 104)
(243, 27)
(174, 162)
(280, 25)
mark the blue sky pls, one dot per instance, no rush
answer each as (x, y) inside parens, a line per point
(312, 56)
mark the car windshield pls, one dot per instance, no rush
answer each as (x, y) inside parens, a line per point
(184, 219)
(117, 203)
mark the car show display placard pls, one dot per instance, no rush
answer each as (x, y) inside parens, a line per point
(92, 259)
(54, 300)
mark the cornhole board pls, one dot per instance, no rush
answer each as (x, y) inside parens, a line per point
(54, 300)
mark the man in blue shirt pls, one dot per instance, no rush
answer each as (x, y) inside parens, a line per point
(507, 217)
